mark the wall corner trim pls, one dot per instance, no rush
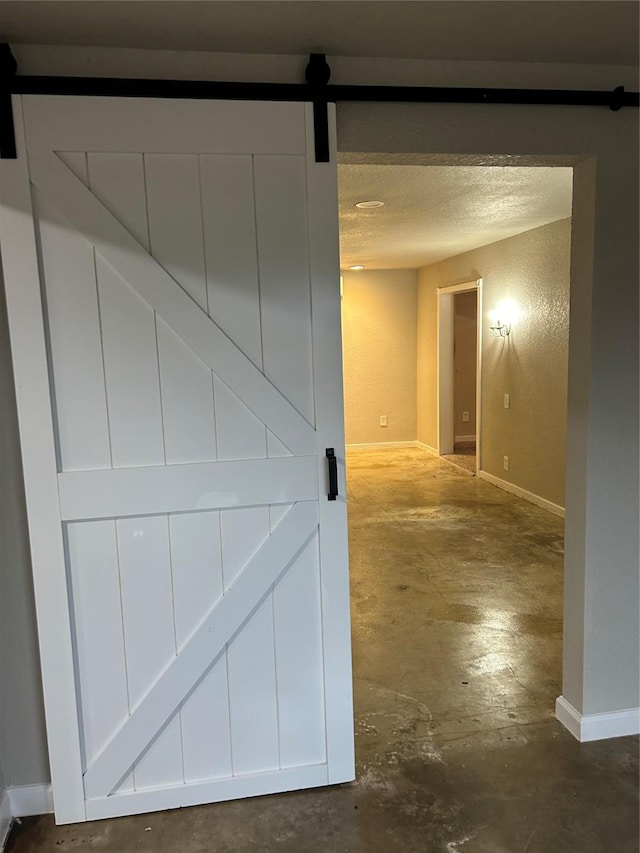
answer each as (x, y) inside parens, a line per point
(522, 493)
(6, 818)
(28, 800)
(589, 727)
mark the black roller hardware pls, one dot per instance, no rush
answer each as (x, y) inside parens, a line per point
(317, 76)
(8, 68)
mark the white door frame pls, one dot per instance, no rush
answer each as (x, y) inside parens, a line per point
(444, 353)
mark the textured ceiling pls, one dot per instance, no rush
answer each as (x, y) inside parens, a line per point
(435, 212)
(580, 32)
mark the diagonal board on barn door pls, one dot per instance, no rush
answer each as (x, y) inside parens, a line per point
(218, 627)
(153, 283)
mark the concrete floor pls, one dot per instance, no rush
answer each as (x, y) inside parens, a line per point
(457, 603)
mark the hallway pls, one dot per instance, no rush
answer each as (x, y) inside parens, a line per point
(469, 579)
(457, 632)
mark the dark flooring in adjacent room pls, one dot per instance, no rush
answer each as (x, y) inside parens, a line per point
(457, 606)
(464, 455)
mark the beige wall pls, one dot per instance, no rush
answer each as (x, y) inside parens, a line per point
(379, 344)
(465, 318)
(530, 365)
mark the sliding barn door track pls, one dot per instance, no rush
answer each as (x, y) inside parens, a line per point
(316, 90)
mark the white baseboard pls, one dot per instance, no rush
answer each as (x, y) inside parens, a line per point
(460, 438)
(427, 448)
(522, 493)
(6, 818)
(380, 445)
(588, 727)
(391, 444)
(30, 799)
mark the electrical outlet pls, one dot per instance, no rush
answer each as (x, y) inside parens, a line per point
(507, 401)
(505, 462)
(383, 420)
(465, 417)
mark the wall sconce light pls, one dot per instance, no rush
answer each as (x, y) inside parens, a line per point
(500, 329)
(502, 318)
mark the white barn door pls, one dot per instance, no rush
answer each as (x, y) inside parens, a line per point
(173, 296)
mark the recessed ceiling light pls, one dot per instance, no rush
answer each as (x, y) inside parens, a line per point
(357, 267)
(369, 205)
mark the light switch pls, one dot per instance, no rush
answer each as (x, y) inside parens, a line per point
(507, 401)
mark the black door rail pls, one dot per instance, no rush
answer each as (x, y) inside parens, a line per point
(317, 90)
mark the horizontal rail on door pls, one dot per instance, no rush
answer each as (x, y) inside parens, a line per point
(317, 89)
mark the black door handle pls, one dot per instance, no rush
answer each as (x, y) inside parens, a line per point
(333, 474)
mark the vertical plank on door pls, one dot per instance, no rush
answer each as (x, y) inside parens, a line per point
(77, 162)
(299, 663)
(131, 370)
(187, 401)
(197, 571)
(285, 300)
(149, 631)
(175, 222)
(230, 249)
(118, 181)
(205, 727)
(276, 513)
(197, 568)
(251, 659)
(240, 434)
(252, 694)
(128, 325)
(243, 531)
(67, 263)
(97, 614)
(275, 448)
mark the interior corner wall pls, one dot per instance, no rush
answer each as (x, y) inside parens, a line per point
(379, 346)
(23, 748)
(530, 365)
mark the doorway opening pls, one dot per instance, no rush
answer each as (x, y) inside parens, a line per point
(460, 373)
(456, 584)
